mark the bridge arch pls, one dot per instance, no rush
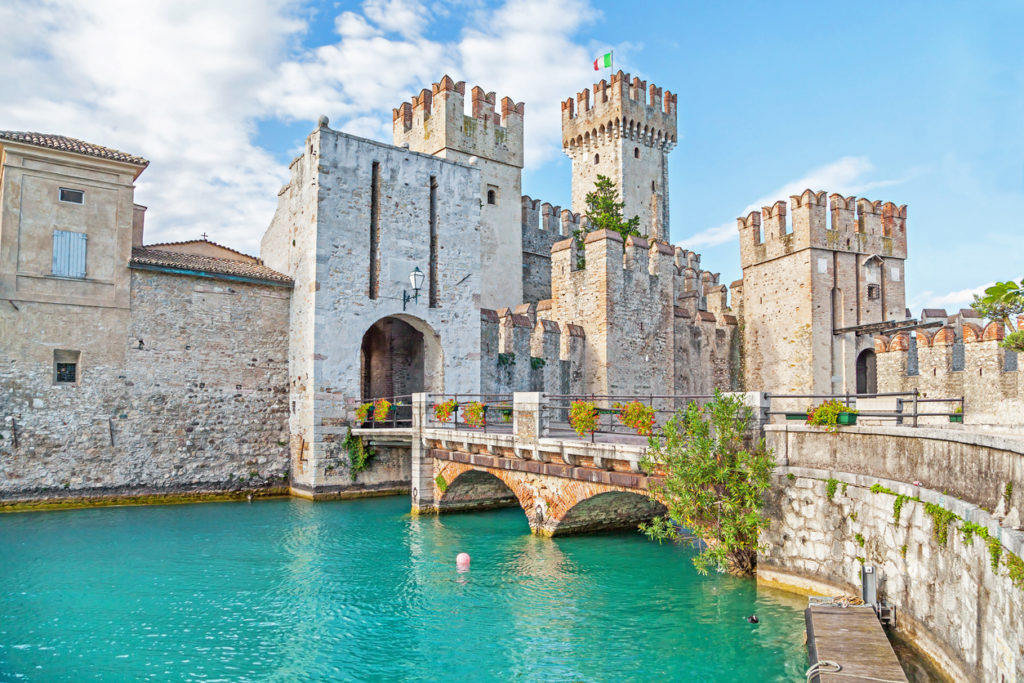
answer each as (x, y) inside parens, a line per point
(474, 489)
(606, 511)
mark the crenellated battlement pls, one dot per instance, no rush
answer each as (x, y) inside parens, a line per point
(855, 225)
(961, 358)
(436, 120)
(549, 221)
(621, 108)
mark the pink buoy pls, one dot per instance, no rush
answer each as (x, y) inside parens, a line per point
(462, 562)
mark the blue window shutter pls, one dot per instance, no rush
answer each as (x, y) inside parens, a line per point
(69, 253)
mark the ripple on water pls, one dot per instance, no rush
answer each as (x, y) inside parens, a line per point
(288, 590)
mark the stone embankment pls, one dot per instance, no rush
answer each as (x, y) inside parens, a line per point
(935, 511)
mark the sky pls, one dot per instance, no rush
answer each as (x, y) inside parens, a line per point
(919, 103)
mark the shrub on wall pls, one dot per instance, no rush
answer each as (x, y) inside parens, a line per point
(713, 484)
(359, 455)
(829, 414)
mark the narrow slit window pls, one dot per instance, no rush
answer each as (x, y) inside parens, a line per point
(597, 158)
(636, 152)
(490, 197)
(432, 269)
(70, 196)
(374, 231)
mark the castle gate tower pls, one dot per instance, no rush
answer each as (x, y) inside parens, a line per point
(626, 134)
(435, 123)
(814, 293)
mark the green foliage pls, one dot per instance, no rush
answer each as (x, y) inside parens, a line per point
(537, 363)
(845, 485)
(1015, 568)
(583, 417)
(861, 559)
(443, 411)
(363, 412)
(878, 488)
(1003, 301)
(970, 529)
(853, 516)
(505, 359)
(995, 550)
(442, 485)
(860, 539)
(827, 414)
(713, 483)
(475, 414)
(359, 455)
(1007, 493)
(790, 476)
(941, 517)
(605, 210)
(903, 551)
(380, 409)
(830, 487)
(636, 416)
(897, 507)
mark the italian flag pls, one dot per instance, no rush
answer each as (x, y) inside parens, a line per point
(603, 62)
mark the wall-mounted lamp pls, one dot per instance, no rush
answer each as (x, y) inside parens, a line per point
(416, 280)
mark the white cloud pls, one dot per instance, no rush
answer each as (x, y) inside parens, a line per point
(169, 80)
(951, 301)
(185, 83)
(846, 176)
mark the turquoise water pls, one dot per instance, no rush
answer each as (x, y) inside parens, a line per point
(287, 590)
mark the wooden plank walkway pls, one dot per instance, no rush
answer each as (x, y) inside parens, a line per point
(853, 638)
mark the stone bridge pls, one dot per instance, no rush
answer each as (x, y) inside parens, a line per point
(563, 483)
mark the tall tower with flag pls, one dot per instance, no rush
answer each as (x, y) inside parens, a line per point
(623, 130)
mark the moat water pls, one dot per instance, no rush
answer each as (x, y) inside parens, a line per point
(287, 590)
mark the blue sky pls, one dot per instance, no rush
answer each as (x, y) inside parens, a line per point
(913, 102)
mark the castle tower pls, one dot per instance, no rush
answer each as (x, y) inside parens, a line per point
(435, 122)
(815, 292)
(625, 133)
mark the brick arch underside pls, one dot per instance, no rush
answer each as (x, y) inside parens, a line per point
(554, 506)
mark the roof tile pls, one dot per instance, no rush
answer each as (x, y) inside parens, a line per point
(66, 144)
(141, 256)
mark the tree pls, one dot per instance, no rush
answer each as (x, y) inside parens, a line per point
(1003, 302)
(713, 484)
(604, 211)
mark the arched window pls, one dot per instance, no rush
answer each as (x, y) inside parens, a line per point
(636, 152)
(597, 158)
(491, 197)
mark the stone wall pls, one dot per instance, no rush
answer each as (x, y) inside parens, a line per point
(190, 393)
(320, 236)
(950, 600)
(625, 133)
(950, 363)
(542, 225)
(805, 277)
(520, 351)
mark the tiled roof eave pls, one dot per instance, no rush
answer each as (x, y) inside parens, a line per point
(142, 264)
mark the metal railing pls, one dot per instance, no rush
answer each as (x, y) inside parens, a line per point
(484, 412)
(555, 411)
(905, 400)
(398, 415)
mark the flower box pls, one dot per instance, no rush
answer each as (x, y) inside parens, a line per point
(956, 418)
(797, 416)
(846, 419)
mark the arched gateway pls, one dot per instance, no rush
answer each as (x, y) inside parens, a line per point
(400, 355)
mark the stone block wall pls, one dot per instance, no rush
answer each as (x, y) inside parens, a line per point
(950, 363)
(190, 395)
(543, 225)
(523, 352)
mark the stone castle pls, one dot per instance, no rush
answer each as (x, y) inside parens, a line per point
(127, 366)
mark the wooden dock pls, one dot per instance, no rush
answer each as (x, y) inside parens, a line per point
(852, 638)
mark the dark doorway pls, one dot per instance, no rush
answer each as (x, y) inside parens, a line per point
(392, 359)
(867, 377)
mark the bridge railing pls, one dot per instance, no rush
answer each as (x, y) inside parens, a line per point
(899, 407)
(395, 414)
(483, 412)
(611, 412)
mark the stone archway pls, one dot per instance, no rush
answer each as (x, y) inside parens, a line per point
(476, 490)
(608, 510)
(400, 355)
(867, 374)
